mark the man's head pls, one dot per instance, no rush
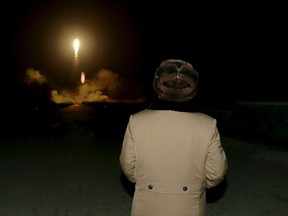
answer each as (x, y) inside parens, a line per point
(175, 80)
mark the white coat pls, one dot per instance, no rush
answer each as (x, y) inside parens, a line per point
(172, 157)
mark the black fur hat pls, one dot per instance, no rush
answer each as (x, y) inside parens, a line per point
(175, 80)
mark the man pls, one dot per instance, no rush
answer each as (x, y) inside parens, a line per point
(170, 153)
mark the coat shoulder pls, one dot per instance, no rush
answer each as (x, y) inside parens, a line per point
(199, 116)
(203, 116)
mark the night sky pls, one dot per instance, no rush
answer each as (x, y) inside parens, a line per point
(238, 49)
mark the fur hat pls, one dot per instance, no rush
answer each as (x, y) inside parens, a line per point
(175, 80)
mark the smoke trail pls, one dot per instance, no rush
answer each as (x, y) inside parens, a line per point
(104, 86)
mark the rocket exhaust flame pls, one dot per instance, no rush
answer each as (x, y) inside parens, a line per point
(76, 45)
(105, 86)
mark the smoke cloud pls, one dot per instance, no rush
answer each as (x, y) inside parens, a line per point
(104, 86)
(34, 76)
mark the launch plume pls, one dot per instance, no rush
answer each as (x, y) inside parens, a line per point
(104, 86)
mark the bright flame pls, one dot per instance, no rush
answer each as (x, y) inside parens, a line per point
(76, 45)
(82, 77)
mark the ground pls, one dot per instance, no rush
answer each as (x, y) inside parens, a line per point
(70, 167)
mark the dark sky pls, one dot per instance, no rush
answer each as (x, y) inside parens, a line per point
(238, 49)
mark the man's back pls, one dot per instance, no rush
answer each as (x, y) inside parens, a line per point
(171, 144)
(170, 153)
(172, 160)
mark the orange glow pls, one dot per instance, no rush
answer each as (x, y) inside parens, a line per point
(82, 77)
(76, 45)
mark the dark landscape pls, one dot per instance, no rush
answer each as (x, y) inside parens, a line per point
(65, 162)
(64, 113)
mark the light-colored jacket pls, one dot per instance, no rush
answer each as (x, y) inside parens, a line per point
(172, 157)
